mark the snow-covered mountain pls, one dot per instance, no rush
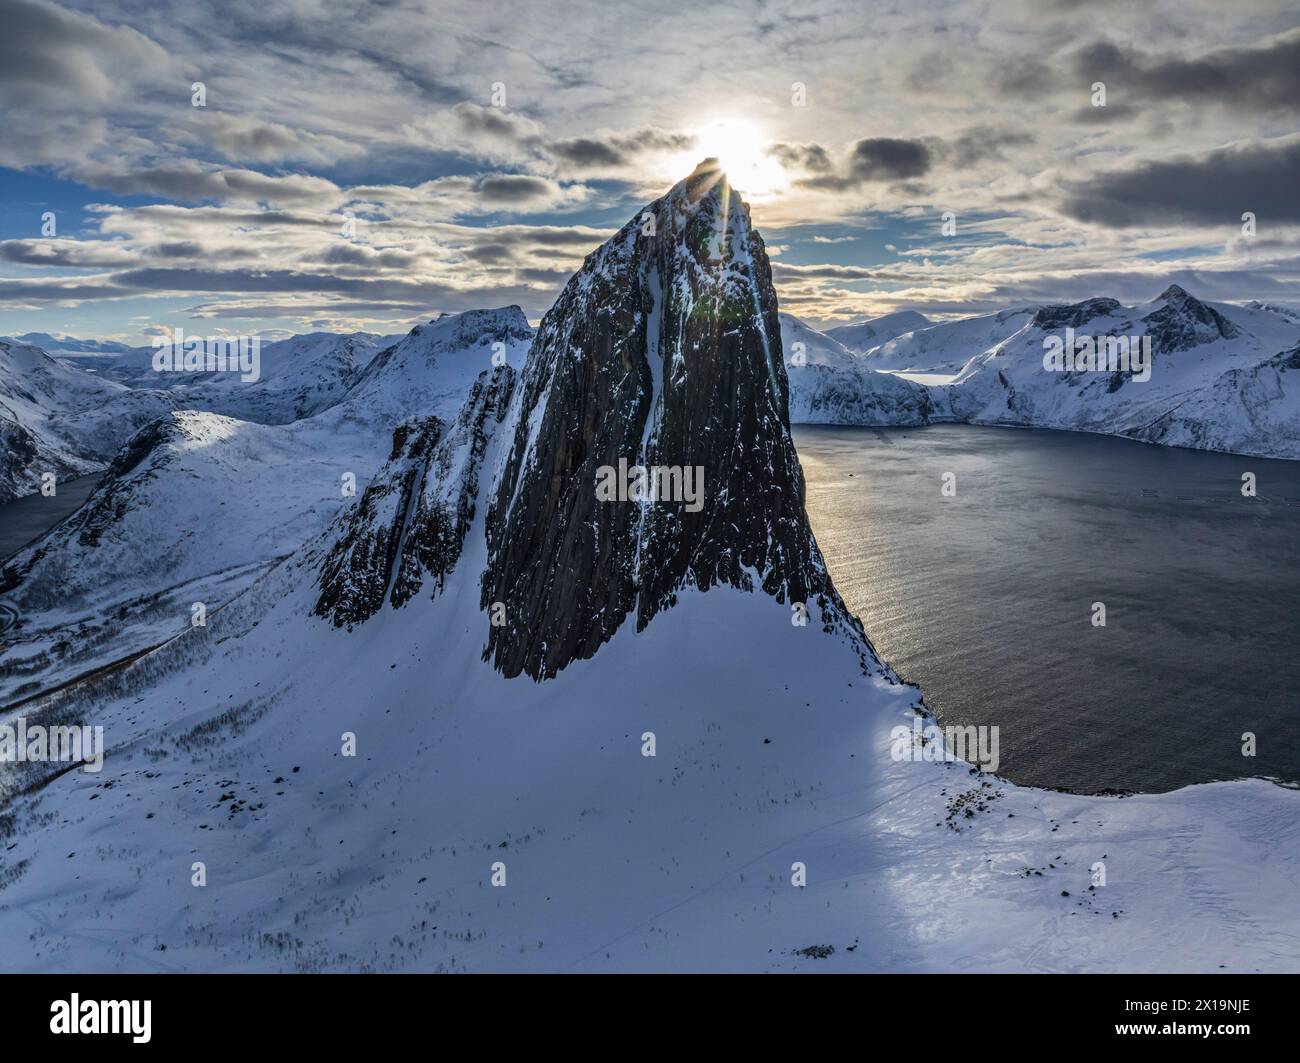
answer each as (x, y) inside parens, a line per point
(946, 347)
(487, 721)
(1220, 376)
(861, 336)
(831, 385)
(120, 574)
(804, 345)
(58, 416)
(299, 376)
(433, 367)
(62, 343)
(55, 418)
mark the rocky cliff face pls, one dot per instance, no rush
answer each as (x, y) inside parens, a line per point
(411, 522)
(664, 350)
(1185, 322)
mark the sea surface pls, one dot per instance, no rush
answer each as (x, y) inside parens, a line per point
(986, 598)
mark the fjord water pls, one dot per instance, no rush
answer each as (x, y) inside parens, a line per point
(26, 518)
(985, 599)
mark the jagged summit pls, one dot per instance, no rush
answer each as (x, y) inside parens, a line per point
(1184, 322)
(664, 351)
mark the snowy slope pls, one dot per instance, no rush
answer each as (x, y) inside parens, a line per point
(433, 367)
(55, 418)
(830, 384)
(299, 376)
(861, 336)
(772, 740)
(1218, 360)
(58, 416)
(1250, 410)
(948, 346)
(1223, 375)
(194, 507)
(818, 348)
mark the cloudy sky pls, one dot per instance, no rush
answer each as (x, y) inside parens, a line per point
(367, 166)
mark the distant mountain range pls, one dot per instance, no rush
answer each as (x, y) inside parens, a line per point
(1223, 378)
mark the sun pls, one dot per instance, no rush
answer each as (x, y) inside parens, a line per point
(742, 150)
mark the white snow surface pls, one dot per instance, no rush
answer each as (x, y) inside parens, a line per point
(862, 336)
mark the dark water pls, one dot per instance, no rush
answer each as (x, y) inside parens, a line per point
(24, 519)
(985, 599)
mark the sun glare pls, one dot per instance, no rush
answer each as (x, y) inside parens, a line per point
(742, 150)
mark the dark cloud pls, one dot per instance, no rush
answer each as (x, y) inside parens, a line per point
(507, 189)
(474, 120)
(348, 254)
(491, 253)
(91, 254)
(583, 151)
(895, 160)
(241, 138)
(1214, 189)
(785, 271)
(980, 144)
(187, 180)
(1261, 77)
(878, 159)
(1112, 112)
(811, 157)
(888, 159)
(616, 151)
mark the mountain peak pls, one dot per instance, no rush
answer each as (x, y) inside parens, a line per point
(662, 353)
(1185, 322)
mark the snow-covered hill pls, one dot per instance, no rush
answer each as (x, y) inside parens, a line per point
(946, 347)
(1221, 364)
(57, 419)
(831, 385)
(121, 573)
(299, 376)
(1222, 375)
(62, 343)
(862, 336)
(433, 367)
(70, 416)
(503, 652)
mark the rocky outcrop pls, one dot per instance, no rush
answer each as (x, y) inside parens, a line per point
(412, 519)
(1185, 322)
(663, 351)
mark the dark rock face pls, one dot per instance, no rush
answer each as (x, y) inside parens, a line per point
(1076, 315)
(1185, 322)
(357, 570)
(411, 522)
(445, 508)
(663, 350)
